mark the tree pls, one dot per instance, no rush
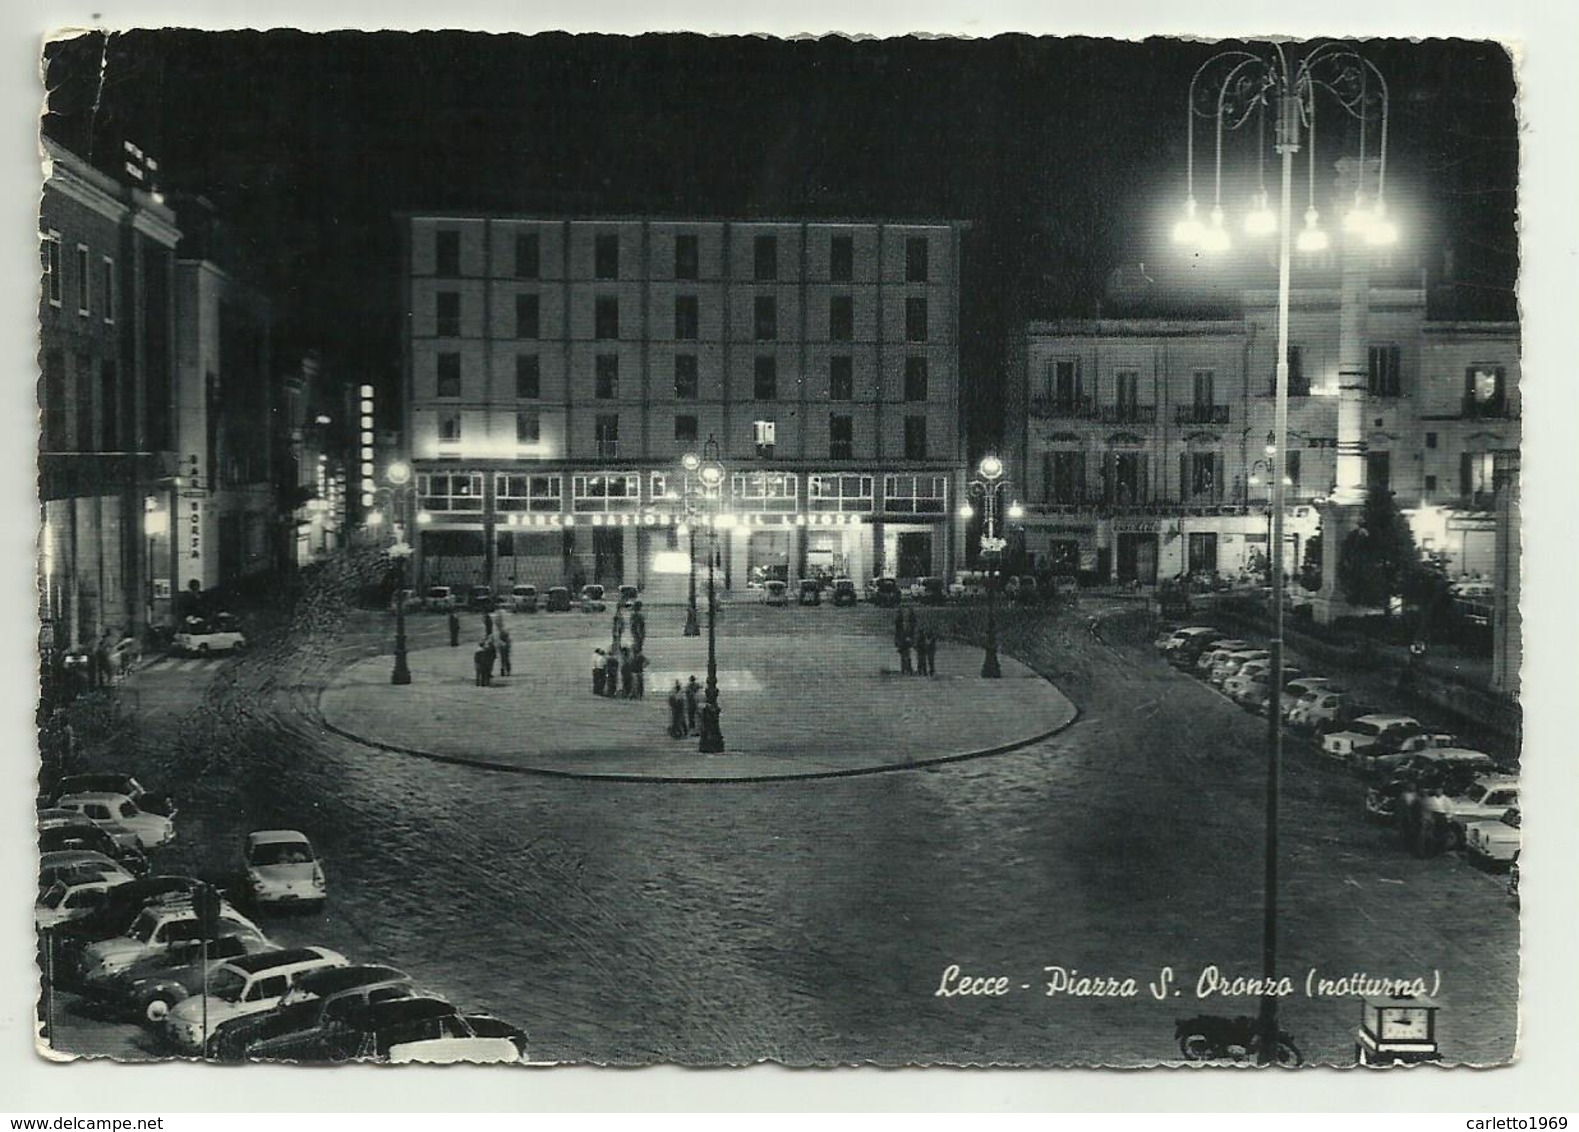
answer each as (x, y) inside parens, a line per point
(1310, 568)
(1379, 560)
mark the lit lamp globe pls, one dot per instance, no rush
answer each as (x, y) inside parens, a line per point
(1312, 238)
(1189, 230)
(1016, 512)
(1261, 220)
(990, 467)
(399, 473)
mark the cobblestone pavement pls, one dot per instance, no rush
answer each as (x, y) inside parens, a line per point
(787, 711)
(812, 920)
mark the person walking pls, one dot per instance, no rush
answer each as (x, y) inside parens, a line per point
(599, 675)
(502, 642)
(639, 674)
(611, 674)
(677, 726)
(903, 641)
(693, 693)
(638, 626)
(619, 628)
(455, 629)
(932, 652)
(482, 661)
(921, 651)
(627, 674)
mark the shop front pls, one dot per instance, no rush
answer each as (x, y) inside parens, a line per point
(1136, 551)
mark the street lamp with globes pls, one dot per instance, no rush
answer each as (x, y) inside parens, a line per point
(692, 464)
(989, 487)
(400, 490)
(710, 473)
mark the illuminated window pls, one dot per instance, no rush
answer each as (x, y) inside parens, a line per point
(444, 492)
(513, 492)
(764, 434)
(915, 495)
(764, 491)
(838, 492)
(605, 491)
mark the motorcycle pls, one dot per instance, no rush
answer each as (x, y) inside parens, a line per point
(1207, 1037)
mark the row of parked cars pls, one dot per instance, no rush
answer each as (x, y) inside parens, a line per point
(181, 957)
(1441, 792)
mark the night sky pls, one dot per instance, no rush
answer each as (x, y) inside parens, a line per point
(1067, 156)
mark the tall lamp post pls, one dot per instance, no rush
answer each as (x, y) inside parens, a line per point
(1274, 562)
(1230, 89)
(988, 486)
(692, 464)
(710, 471)
(400, 491)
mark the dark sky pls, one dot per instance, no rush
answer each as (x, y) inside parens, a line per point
(1066, 155)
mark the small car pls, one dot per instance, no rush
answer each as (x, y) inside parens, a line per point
(629, 596)
(1171, 640)
(1210, 658)
(1249, 689)
(1487, 798)
(118, 815)
(1325, 709)
(123, 904)
(775, 592)
(200, 636)
(809, 592)
(70, 864)
(558, 600)
(843, 592)
(405, 1030)
(1188, 652)
(1494, 841)
(592, 600)
(1435, 760)
(112, 783)
(438, 599)
(1368, 735)
(150, 987)
(85, 836)
(74, 897)
(157, 927)
(480, 599)
(1231, 664)
(306, 1012)
(523, 599)
(248, 984)
(1295, 689)
(886, 592)
(282, 869)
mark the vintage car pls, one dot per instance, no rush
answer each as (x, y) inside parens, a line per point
(120, 817)
(82, 835)
(1369, 735)
(1233, 662)
(406, 1030)
(1248, 686)
(199, 636)
(481, 600)
(113, 783)
(248, 984)
(308, 1011)
(74, 897)
(885, 592)
(557, 600)
(77, 865)
(1494, 842)
(775, 592)
(1324, 709)
(438, 599)
(809, 592)
(592, 600)
(1171, 639)
(523, 599)
(1210, 657)
(283, 870)
(150, 987)
(1434, 760)
(157, 927)
(1297, 688)
(843, 592)
(1486, 799)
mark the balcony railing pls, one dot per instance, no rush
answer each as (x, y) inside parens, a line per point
(1476, 409)
(1201, 414)
(1097, 504)
(1129, 414)
(1068, 408)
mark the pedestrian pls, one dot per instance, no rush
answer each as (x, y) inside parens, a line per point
(626, 675)
(677, 727)
(502, 638)
(693, 692)
(903, 641)
(455, 628)
(638, 628)
(639, 674)
(619, 627)
(611, 674)
(599, 676)
(710, 713)
(482, 661)
(932, 652)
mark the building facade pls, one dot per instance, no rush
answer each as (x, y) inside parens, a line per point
(107, 447)
(1142, 443)
(556, 371)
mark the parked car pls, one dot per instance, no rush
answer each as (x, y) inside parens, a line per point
(932, 591)
(118, 815)
(809, 592)
(592, 599)
(112, 783)
(83, 835)
(122, 906)
(1188, 652)
(1368, 735)
(157, 927)
(843, 592)
(481, 600)
(150, 987)
(1231, 664)
(1325, 709)
(523, 599)
(57, 818)
(405, 1030)
(438, 599)
(282, 869)
(1492, 842)
(558, 600)
(200, 636)
(629, 596)
(1302, 686)
(247, 985)
(1487, 798)
(66, 864)
(886, 592)
(1209, 658)
(74, 897)
(1434, 760)
(1170, 640)
(775, 592)
(307, 1011)
(1248, 686)
(1381, 800)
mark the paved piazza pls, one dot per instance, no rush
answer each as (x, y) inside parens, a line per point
(793, 705)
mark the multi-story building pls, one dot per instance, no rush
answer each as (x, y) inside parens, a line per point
(1141, 443)
(556, 371)
(107, 395)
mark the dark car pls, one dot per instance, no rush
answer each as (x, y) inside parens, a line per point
(1189, 652)
(844, 591)
(558, 600)
(481, 599)
(809, 593)
(87, 835)
(934, 591)
(310, 1010)
(414, 1028)
(886, 592)
(123, 904)
(148, 988)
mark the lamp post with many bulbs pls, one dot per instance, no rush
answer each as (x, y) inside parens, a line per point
(399, 491)
(710, 472)
(692, 501)
(1257, 469)
(989, 486)
(1230, 89)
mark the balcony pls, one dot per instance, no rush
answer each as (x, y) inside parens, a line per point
(1064, 408)
(1490, 408)
(1129, 414)
(1200, 414)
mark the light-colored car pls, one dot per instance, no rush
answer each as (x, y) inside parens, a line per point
(150, 987)
(283, 869)
(420, 1029)
(247, 985)
(1369, 735)
(114, 783)
(523, 599)
(1170, 641)
(1431, 759)
(156, 928)
(775, 592)
(1216, 653)
(118, 815)
(84, 864)
(200, 636)
(438, 599)
(71, 898)
(1248, 686)
(1301, 686)
(1233, 662)
(312, 1007)
(1494, 841)
(1487, 799)
(592, 599)
(1324, 709)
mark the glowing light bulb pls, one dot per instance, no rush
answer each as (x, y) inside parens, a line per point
(1016, 511)
(1312, 238)
(1358, 219)
(1215, 238)
(966, 511)
(1261, 221)
(1381, 231)
(1188, 230)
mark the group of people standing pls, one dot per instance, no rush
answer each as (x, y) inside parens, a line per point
(493, 649)
(683, 703)
(620, 669)
(917, 645)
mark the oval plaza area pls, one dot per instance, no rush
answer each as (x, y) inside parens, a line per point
(792, 706)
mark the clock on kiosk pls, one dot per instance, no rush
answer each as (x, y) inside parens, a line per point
(1397, 1029)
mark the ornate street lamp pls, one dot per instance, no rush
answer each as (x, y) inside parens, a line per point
(400, 490)
(989, 487)
(710, 471)
(692, 464)
(1230, 89)
(1257, 469)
